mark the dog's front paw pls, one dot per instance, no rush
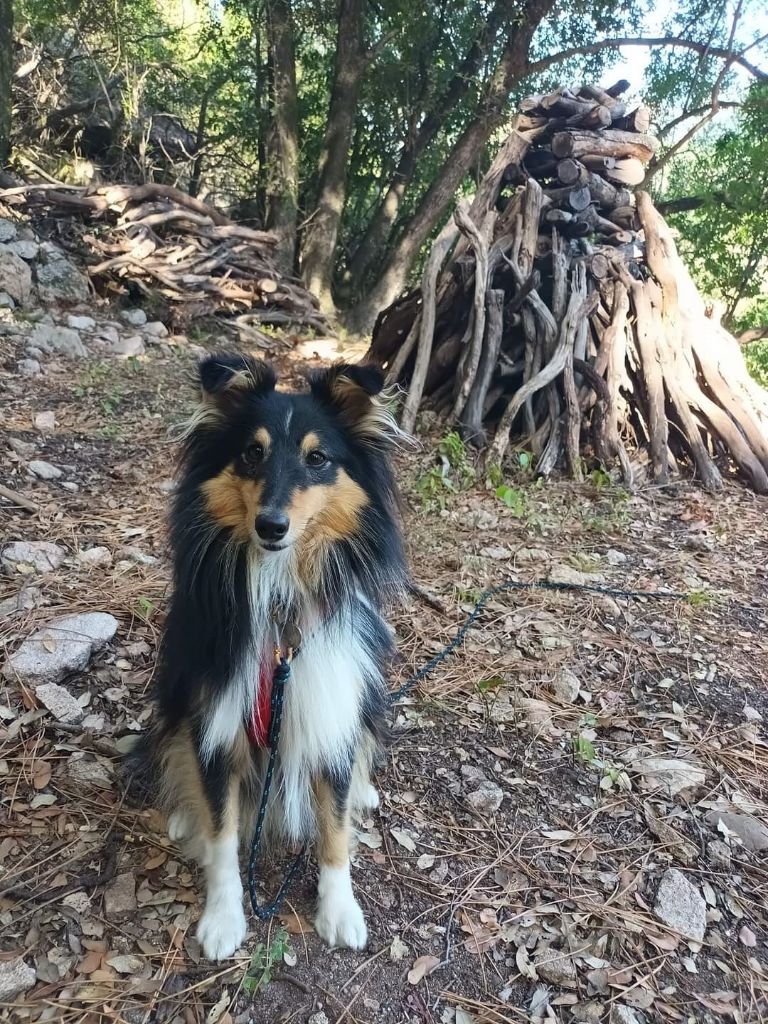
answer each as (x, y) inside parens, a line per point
(179, 826)
(340, 922)
(221, 929)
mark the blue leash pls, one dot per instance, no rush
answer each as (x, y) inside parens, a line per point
(283, 674)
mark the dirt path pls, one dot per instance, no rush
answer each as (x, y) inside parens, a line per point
(586, 778)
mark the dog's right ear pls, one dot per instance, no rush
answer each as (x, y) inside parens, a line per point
(226, 376)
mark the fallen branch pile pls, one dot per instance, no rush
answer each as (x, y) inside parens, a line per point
(164, 241)
(564, 318)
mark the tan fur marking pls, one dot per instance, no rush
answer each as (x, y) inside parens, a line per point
(325, 513)
(233, 501)
(262, 436)
(332, 828)
(182, 784)
(309, 443)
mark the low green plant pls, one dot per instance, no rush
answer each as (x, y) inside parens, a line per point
(455, 451)
(455, 472)
(514, 498)
(263, 960)
(756, 356)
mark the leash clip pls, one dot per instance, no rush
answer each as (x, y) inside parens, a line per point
(287, 640)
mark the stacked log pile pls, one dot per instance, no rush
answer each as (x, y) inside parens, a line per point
(564, 320)
(165, 242)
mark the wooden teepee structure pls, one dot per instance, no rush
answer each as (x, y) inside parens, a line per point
(554, 311)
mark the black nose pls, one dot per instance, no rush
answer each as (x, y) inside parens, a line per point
(272, 526)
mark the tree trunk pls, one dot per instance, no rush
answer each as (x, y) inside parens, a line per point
(6, 78)
(371, 249)
(283, 143)
(319, 248)
(513, 65)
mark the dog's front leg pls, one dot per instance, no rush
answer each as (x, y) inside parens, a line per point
(339, 918)
(222, 927)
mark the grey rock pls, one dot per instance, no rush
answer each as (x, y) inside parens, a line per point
(720, 853)
(8, 230)
(127, 347)
(566, 686)
(23, 600)
(155, 329)
(58, 280)
(482, 519)
(44, 470)
(133, 554)
(45, 422)
(98, 556)
(621, 1014)
(556, 967)
(486, 799)
(565, 574)
(680, 905)
(28, 367)
(15, 276)
(34, 352)
(108, 333)
(751, 831)
(133, 317)
(473, 775)
(120, 897)
(70, 485)
(80, 902)
(65, 645)
(60, 339)
(6, 302)
(15, 977)
(81, 323)
(23, 448)
(41, 554)
(88, 773)
(59, 702)
(25, 248)
(615, 557)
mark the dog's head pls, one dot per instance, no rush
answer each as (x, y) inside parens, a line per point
(284, 471)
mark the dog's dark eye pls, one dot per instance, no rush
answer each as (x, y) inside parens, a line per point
(253, 454)
(316, 459)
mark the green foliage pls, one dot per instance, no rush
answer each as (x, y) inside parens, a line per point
(263, 960)
(514, 498)
(455, 472)
(756, 356)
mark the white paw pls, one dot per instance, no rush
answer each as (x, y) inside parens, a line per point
(179, 826)
(370, 799)
(341, 923)
(221, 929)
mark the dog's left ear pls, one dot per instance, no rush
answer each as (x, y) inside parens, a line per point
(352, 392)
(226, 376)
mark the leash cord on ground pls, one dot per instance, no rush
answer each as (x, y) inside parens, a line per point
(283, 673)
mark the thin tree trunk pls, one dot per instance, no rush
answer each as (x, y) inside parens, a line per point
(513, 65)
(319, 249)
(283, 144)
(6, 77)
(371, 248)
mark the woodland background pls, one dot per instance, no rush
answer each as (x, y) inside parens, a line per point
(349, 127)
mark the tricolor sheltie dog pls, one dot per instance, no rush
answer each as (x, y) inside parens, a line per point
(285, 533)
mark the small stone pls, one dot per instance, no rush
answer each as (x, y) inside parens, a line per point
(44, 470)
(22, 601)
(15, 977)
(63, 646)
(750, 830)
(720, 853)
(25, 248)
(120, 897)
(6, 302)
(482, 519)
(33, 352)
(8, 230)
(81, 323)
(126, 963)
(473, 775)
(572, 577)
(60, 339)
(680, 905)
(128, 347)
(556, 967)
(88, 773)
(45, 422)
(70, 485)
(78, 901)
(621, 1014)
(615, 557)
(136, 555)
(590, 1012)
(58, 280)
(25, 449)
(95, 557)
(41, 554)
(672, 775)
(108, 333)
(155, 329)
(486, 799)
(134, 317)
(499, 554)
(59, 701)
(28, 367)
(566, 686)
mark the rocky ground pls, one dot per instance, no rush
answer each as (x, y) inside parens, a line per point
(574, 820)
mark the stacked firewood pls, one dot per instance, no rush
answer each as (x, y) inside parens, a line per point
(564, 320)
(171, 245)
